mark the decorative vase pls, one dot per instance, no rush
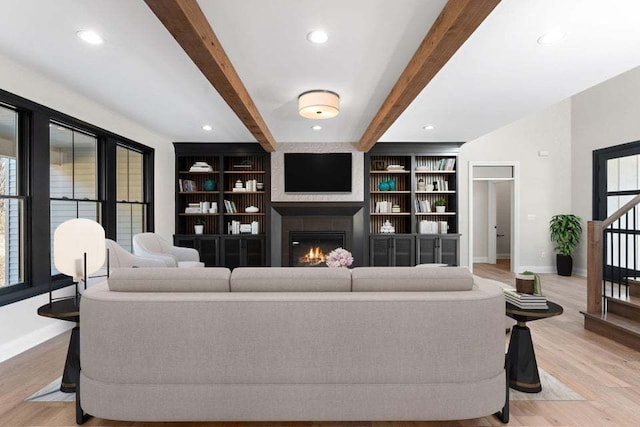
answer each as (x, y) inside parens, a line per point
(525, 283)
(209, 185)
(199, 229)
(440, 209)
(383, 186)
(392, 185)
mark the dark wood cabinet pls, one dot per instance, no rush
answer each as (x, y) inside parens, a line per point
(440, 249)
(207, 245)
(392, 251)
(234, 180)
(245, 251)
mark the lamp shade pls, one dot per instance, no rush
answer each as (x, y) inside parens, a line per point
(71, 240)
(319, 104)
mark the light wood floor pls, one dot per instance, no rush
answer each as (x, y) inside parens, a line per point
(605, 373)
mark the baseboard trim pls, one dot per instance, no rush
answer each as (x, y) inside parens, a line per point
(544, 269)
(481, 259)
(503, 256)
(22, 344)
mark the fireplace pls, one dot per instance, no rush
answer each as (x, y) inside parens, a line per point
(310, 248)
(317, 227)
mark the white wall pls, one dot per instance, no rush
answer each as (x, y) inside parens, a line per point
(545, 182)
(20, 326)
(605, 115)
(480, 219)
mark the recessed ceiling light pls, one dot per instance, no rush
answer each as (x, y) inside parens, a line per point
(207, 128)
(551, 37)
(428, 127)
(90, 36)
(316, 127)
(317, 37)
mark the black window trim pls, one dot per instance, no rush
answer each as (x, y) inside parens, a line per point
(34, 119)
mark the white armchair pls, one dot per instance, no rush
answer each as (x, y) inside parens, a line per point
(150, 245)
(121, 258)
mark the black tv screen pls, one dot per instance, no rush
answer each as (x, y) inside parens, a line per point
(317, 173)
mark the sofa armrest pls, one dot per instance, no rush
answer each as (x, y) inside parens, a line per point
(185, 254)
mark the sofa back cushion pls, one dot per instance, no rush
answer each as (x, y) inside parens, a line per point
(410, 279)
(291, 279)
(167, 279)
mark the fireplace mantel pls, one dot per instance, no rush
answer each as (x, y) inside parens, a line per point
(316, 216)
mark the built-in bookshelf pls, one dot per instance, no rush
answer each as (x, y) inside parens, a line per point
(225, 188)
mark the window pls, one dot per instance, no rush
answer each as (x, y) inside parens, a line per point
(72, 177)
(131, 209)
(11, 202)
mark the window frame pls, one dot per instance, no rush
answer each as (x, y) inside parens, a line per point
(33, 150)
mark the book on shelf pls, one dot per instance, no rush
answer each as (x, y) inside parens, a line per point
(525, 301)
(230, 206)
(200, 167)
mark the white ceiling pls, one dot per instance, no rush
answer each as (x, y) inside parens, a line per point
(499, 75)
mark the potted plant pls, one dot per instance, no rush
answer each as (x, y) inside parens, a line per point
(199, 225)
(440, 205)
(565, 230)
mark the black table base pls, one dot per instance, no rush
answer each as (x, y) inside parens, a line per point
(71, 374)
(523, 375)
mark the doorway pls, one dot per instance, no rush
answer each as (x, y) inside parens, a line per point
(493, 201)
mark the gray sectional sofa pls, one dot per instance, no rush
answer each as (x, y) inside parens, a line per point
(268, 344)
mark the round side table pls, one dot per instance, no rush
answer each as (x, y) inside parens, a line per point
(67, 309)
(523, 368)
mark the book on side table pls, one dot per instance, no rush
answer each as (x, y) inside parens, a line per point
(525, 301)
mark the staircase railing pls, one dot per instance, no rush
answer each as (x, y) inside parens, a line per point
(612, 255)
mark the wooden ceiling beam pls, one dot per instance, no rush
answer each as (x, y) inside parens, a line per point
(189, 26)
(457, 21)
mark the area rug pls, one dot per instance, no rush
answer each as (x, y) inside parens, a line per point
(552, 389)
(51, 393)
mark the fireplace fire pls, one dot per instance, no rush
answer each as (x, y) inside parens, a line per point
(315, 256)
(311, 248)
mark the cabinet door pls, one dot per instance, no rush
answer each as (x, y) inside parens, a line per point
(184, 241)
(208, 249)
(232, 252)
(403, 249)
(379, 253)
(253, 251)
(449, 250)
(427, 249)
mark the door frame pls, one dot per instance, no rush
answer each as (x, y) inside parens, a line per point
(515, 208)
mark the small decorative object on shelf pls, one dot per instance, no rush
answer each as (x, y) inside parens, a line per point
(379, 165)
(238, 184)
(201, 167)
(251, 209)
(209, 185)
(435, 185)
(395, 209)
(259, 186)
(198, 228)
(441, 205)
(395, 168)
(443, 227)
(245, 164)
(421, 185)
(392, 184)
(387, 227)
(383, 186)
(339, 258)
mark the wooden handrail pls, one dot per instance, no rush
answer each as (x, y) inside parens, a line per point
(595, 255)
(623, 210)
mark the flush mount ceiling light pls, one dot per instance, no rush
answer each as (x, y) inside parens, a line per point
(551, 37)
(207, 127)
(90, 36)
(318, 104)
(316, 127)
(428, 127)
(317, 37)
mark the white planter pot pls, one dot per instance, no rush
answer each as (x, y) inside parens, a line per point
(199, 229)
(440, 209)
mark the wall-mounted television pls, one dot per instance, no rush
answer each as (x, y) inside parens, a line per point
(317, 172)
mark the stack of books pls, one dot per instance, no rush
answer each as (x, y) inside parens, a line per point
(201, 167)
(525, 301)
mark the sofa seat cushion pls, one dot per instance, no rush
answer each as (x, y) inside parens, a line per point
(168, 279)
(291, 279)
(410, 279)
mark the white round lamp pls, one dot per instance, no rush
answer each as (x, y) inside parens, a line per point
(72, 240)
